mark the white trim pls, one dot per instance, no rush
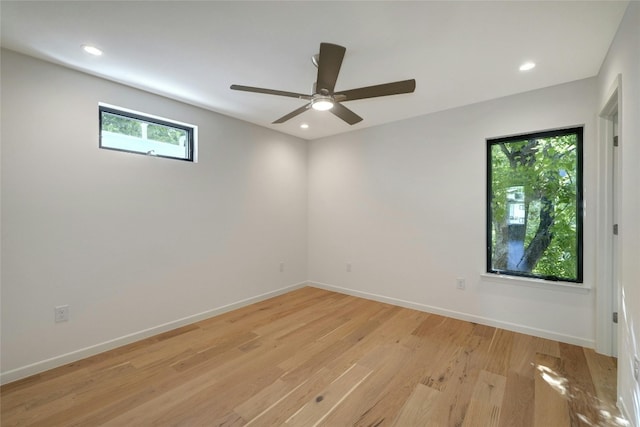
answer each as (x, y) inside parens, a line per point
(604, 239)
(536, 283)
(515, 327)
(63, 359)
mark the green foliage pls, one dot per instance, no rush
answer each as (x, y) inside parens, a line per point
(133, 127)
(165, 134)
(123, 125)
(547, 169)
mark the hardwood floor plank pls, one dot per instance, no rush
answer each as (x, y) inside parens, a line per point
(603, 370)
(317, 357)
(140, 414)
(386, 362)
(548, 347)
(518, 405)
(499, 357)
(486, 401)
(215, 405)
(328, 348)
(583, 404)
(430, 324)
(523, 353)
(260, 403)
(443, 367)
(299, 395)
(417, 410)
(212, 349)
(551, 404)
(457, 391)
(316, 410)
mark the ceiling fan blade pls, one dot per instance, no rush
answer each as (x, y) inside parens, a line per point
(395, 88)
(270, 92)
(329, 63)
(293, 114)
(345, 114)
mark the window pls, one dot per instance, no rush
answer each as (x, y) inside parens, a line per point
(126, 130)
(534, 205)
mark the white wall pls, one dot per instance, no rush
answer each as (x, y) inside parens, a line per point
(405, 204)
(624, 59)
(132, 242)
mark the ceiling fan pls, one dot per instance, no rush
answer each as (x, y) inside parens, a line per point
(328, 62)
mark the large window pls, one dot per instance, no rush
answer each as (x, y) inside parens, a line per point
(534, 205)
(135, 132)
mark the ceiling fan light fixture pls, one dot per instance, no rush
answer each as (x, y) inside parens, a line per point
(322, 103)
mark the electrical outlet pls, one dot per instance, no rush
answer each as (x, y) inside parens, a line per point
(61, 313)
(281, 267)
(636, 368)
(460, 283)
(348, 267)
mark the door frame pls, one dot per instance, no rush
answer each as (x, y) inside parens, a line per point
(608, 268)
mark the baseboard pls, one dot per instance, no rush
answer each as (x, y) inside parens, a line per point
(515, 327)
(54, 362)
(57, 361)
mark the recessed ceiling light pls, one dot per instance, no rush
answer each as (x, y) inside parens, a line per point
(91, 49)
(304, 126)
(527, 66)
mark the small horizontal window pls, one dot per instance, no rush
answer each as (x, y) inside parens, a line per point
(134, 132)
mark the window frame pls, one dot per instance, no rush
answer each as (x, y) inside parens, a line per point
(490, 142)
(191, 130)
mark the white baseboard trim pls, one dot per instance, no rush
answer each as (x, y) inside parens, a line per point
(515, 327)
(57, 361)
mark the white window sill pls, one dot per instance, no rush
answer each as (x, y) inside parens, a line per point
(535, 283)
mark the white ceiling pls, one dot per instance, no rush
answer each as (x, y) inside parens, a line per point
(458, 52)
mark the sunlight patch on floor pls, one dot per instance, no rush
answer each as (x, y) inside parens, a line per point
(605, 411)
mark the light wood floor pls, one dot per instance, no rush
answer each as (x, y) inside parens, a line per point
(313, 357)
